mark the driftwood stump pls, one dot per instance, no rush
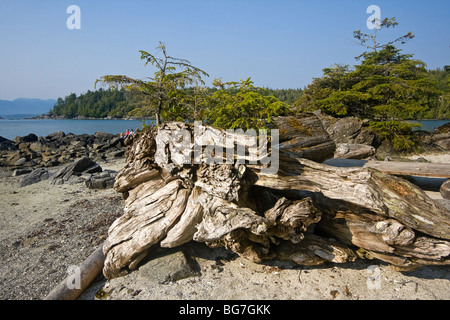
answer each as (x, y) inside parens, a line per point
(305, 212)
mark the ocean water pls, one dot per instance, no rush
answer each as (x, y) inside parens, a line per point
(430, 125)
(10, 129)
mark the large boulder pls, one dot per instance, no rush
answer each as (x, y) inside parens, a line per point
(303, 136)
(21, 172)
(103, 136)
(441, 137)
(353, 151)
(7, 145)
(55, 136)
(166, 267)
(77, 168)
(101, 180)
(347, 130)
(28, 138)
(35, 176)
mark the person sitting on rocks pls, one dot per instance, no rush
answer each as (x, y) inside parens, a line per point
(127, 133)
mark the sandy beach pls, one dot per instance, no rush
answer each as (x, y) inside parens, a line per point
(47, 228)
(432, 157)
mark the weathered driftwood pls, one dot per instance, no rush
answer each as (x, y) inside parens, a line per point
(71, 288)
(306, 212)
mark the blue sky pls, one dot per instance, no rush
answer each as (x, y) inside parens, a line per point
(279, 44)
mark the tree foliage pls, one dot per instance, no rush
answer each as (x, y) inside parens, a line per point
(242, 105)
(160, 93)
(387, 87)
(369, 41)
(96, 104)
(440, 108)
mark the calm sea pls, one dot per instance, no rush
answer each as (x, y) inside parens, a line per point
(20, 127)
(430, 125)
(12, 128)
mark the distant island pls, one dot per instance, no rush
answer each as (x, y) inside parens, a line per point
(24, 106)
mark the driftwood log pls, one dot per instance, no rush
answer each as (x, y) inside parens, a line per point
(71, 288)
(305, 212)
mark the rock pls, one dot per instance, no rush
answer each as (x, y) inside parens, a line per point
(75, 180)
(423, 138)
(59, 148)
(103, 136)
(442, 141)
(353, 151)
(77, 144)
(102, 180)
(365, 136)
(35, 176)
(347, 130)
(115, 154)
(20, 172)
(55, 136)
(20, 162)
(81, 165)
(11, 157)
(116, 142)
(441, 136)
(7, 145)
(77, 168)
(57, 182)
(445, 190)
(42, 146)
(304, 136)
(386, 150)
(167, 268)
(28, 138)
(443, 129)
(341, 130)
(93, 169)
(98, 146)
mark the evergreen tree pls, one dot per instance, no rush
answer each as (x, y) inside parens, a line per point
(242, 105)
(387, 87)
(162, 92)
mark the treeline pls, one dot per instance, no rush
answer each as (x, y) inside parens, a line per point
(96, 104)
(116, 103)
(439, 108)
(120, 103)
(288, 96)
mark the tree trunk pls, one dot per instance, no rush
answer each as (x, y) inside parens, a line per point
(306, 212)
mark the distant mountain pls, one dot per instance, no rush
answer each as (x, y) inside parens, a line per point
(26, 106)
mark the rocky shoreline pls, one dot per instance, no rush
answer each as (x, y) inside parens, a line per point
(59, 148)
(355, 140)
(52, 117)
